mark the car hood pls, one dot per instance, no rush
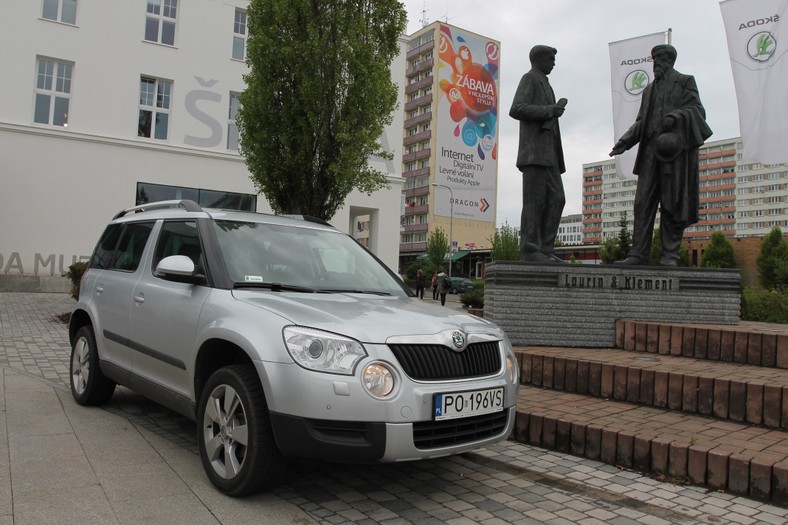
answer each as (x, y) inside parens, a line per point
(364, 317)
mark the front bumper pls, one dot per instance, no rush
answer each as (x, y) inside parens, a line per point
(365, 442)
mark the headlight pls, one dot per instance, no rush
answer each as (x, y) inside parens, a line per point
(512, 372)
(378, 380)
(323, 351)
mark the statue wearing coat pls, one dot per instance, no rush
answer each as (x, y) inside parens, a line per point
(670, 128)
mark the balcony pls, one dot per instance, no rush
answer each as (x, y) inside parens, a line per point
(419, 119)
(418, 137)
(412, 247)
(418, 68)
(419, 84)
(417, 103)
(415, 228)
(423, 48)
(417, 210)
(416, 173)
(421, 154)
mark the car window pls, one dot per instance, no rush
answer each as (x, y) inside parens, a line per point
(105, 249)
(178, 238)
(300, 256)
(131, 245)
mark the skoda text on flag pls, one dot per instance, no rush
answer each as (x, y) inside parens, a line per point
(631, 70)
(467, 143)
(759, 60)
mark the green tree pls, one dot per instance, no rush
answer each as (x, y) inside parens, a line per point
(773, 261)
(437, 247)
(718, 253)
(318, 96)
(505, 244)
(616, 248)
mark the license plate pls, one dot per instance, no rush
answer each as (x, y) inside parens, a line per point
(465, 404)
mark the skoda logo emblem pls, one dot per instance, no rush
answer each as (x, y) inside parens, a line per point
(636, 82)
(458, 339)
(761, 46)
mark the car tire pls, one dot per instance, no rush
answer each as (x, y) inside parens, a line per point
(237, 448)
(89, 386)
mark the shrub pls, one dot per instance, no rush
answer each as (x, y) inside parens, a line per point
(474, 298)
(773, 261)
(74, 273)
(766, 306)
(719, 253)
(505, 244)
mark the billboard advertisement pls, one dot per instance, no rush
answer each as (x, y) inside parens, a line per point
(466, 159)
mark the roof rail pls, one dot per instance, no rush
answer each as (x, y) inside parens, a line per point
(187, 204)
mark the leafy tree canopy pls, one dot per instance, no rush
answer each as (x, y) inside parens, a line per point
(505, 244)
(319, 94)
(718, 253)
(773, 261)
(616, 248)
(437, 248)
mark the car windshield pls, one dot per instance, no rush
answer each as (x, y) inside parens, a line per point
(300, 259)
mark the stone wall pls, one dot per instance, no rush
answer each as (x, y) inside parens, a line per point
(578, 305)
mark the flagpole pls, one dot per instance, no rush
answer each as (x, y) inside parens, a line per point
(670, 35)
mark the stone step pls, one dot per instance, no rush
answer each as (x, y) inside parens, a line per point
(728, 391)
(743, 459)
(760, 344)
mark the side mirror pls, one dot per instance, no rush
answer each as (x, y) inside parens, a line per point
(178, 268)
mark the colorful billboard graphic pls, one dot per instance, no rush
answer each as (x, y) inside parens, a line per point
(467, 122)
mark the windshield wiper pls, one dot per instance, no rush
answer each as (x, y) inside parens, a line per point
(356, 290)
(276, 287)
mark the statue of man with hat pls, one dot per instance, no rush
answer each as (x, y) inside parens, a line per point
(670, 127)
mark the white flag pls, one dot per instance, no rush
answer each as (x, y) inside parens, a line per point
(759, 60)
(631, 70)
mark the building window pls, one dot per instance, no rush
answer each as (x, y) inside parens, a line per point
(227, 200)
(53, 92)
(239, 35)
(154, 116)
(160, 21)
(60, 11)
(232, 126)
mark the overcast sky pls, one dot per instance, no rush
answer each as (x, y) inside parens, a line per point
(581, 31)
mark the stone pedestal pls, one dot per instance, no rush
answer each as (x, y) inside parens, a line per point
(577, 305)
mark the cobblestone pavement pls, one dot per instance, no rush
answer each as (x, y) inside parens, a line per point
(507, 483)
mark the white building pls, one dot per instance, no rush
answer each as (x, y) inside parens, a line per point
(570, 230)
(107, 99)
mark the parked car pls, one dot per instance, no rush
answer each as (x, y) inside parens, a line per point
(282, 337)
(461, 285)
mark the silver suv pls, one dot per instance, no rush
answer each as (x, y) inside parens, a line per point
(282, 336)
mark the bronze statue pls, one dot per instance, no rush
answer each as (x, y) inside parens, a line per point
(540, 157)
(670, 127)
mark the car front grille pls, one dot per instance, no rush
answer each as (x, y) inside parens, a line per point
(437, 362)
(436, 434)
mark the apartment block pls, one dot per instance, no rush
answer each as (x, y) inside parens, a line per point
(450, 142)
(739, 197)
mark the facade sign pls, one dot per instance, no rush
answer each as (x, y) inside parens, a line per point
(467, 122)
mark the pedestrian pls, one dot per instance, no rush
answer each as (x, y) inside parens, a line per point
(434, 285)
(444, 285)
(670, 127)
(420, 284)
(540, 157)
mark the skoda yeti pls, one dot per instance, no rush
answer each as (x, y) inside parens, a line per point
(280, 337)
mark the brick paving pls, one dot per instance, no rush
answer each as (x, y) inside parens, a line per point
(507, 483)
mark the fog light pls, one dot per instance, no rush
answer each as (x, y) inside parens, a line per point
(378, 380)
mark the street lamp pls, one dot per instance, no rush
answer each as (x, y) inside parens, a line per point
(451, 219)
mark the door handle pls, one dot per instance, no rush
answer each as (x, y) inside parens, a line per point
(99, 288)
(139, 299)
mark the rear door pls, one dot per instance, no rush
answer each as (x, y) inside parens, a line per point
(115, 266)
